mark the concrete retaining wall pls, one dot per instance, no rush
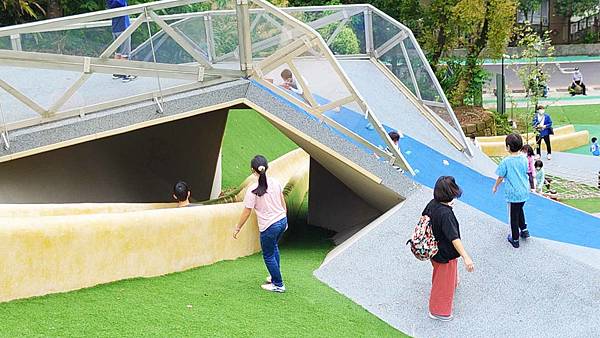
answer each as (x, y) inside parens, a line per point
(94, 244)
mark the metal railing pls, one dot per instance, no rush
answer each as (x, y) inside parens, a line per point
(202, 48)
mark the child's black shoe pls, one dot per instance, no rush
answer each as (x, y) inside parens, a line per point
(525, 234)
(515, 244)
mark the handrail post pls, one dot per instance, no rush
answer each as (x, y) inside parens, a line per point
(245, 47)
(370, 48)
(15, 42)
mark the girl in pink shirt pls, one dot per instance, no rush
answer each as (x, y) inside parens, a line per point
(527, 150)
(266, 198)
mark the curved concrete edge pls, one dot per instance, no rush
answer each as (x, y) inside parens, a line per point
(511, 293)
(339, 249)
(85, 246)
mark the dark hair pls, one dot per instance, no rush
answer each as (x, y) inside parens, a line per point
(539, 107)
(394, 136)
(528, 149)
(286, 74)
(594, 139)
(260, 165)
(514, 142)
(538, 164)
(181, 191)
(446, 189)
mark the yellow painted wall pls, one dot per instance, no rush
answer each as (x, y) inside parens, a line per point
(57, 248)
(565, 138)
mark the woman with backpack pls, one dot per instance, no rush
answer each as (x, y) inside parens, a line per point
(446, 231)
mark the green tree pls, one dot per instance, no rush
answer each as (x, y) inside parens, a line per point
(483, 24)
(19, 11)
(569, 8)
(532, 46)
(440, 33)
(529, 6)
(407, 12)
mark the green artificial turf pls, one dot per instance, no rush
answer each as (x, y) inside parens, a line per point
(220, 300)
(577, 114)
(594, 130)
(248, 134)
(591, 205)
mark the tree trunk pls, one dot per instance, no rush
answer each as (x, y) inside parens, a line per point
(473, 53)
(439, 48)
(54, 10)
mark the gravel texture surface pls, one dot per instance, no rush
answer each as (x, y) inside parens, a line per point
(533, 291)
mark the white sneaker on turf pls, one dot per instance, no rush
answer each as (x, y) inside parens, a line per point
(549, 157)
(273, 288)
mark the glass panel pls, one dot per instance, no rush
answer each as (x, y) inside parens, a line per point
(349, 39)
(395, 61)
(81, 41)
(312, 16)
(266, 34)
(424, 81)
(383, 30)
(166, 49)
(226, 37)
(5, 42)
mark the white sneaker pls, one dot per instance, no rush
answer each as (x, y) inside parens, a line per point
(549, 157)
(273, 288)
(440, 318)
(128, 78)
(537, 157)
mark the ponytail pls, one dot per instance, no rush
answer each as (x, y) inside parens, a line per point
(259, 165)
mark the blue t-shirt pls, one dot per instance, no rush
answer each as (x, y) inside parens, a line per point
(516, 180)
(121, 23)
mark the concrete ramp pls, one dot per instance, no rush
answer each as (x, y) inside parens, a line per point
(511, 293)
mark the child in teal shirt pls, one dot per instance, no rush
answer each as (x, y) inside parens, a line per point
(540, 176)
(513, 170)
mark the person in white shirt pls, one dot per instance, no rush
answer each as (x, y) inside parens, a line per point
(290, 83)
(578, 82)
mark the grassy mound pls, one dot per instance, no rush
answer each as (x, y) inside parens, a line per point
(220, 300)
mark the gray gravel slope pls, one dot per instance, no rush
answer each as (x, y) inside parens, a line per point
(531, 292)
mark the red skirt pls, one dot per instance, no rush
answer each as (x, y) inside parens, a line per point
(443, 285)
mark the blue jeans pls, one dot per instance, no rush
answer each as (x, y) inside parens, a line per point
(270, 250)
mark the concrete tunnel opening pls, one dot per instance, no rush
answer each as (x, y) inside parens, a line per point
(141, 165)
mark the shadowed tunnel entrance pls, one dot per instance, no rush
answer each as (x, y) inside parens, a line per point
(141, 165)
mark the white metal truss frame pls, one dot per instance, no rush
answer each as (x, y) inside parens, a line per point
(203, 71)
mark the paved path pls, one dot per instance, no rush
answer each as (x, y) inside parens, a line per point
(512, 293)
(560, 73)
(575, 167)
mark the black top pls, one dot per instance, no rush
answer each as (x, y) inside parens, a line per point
(445, 230)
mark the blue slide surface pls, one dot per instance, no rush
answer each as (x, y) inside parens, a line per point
(545, 218)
